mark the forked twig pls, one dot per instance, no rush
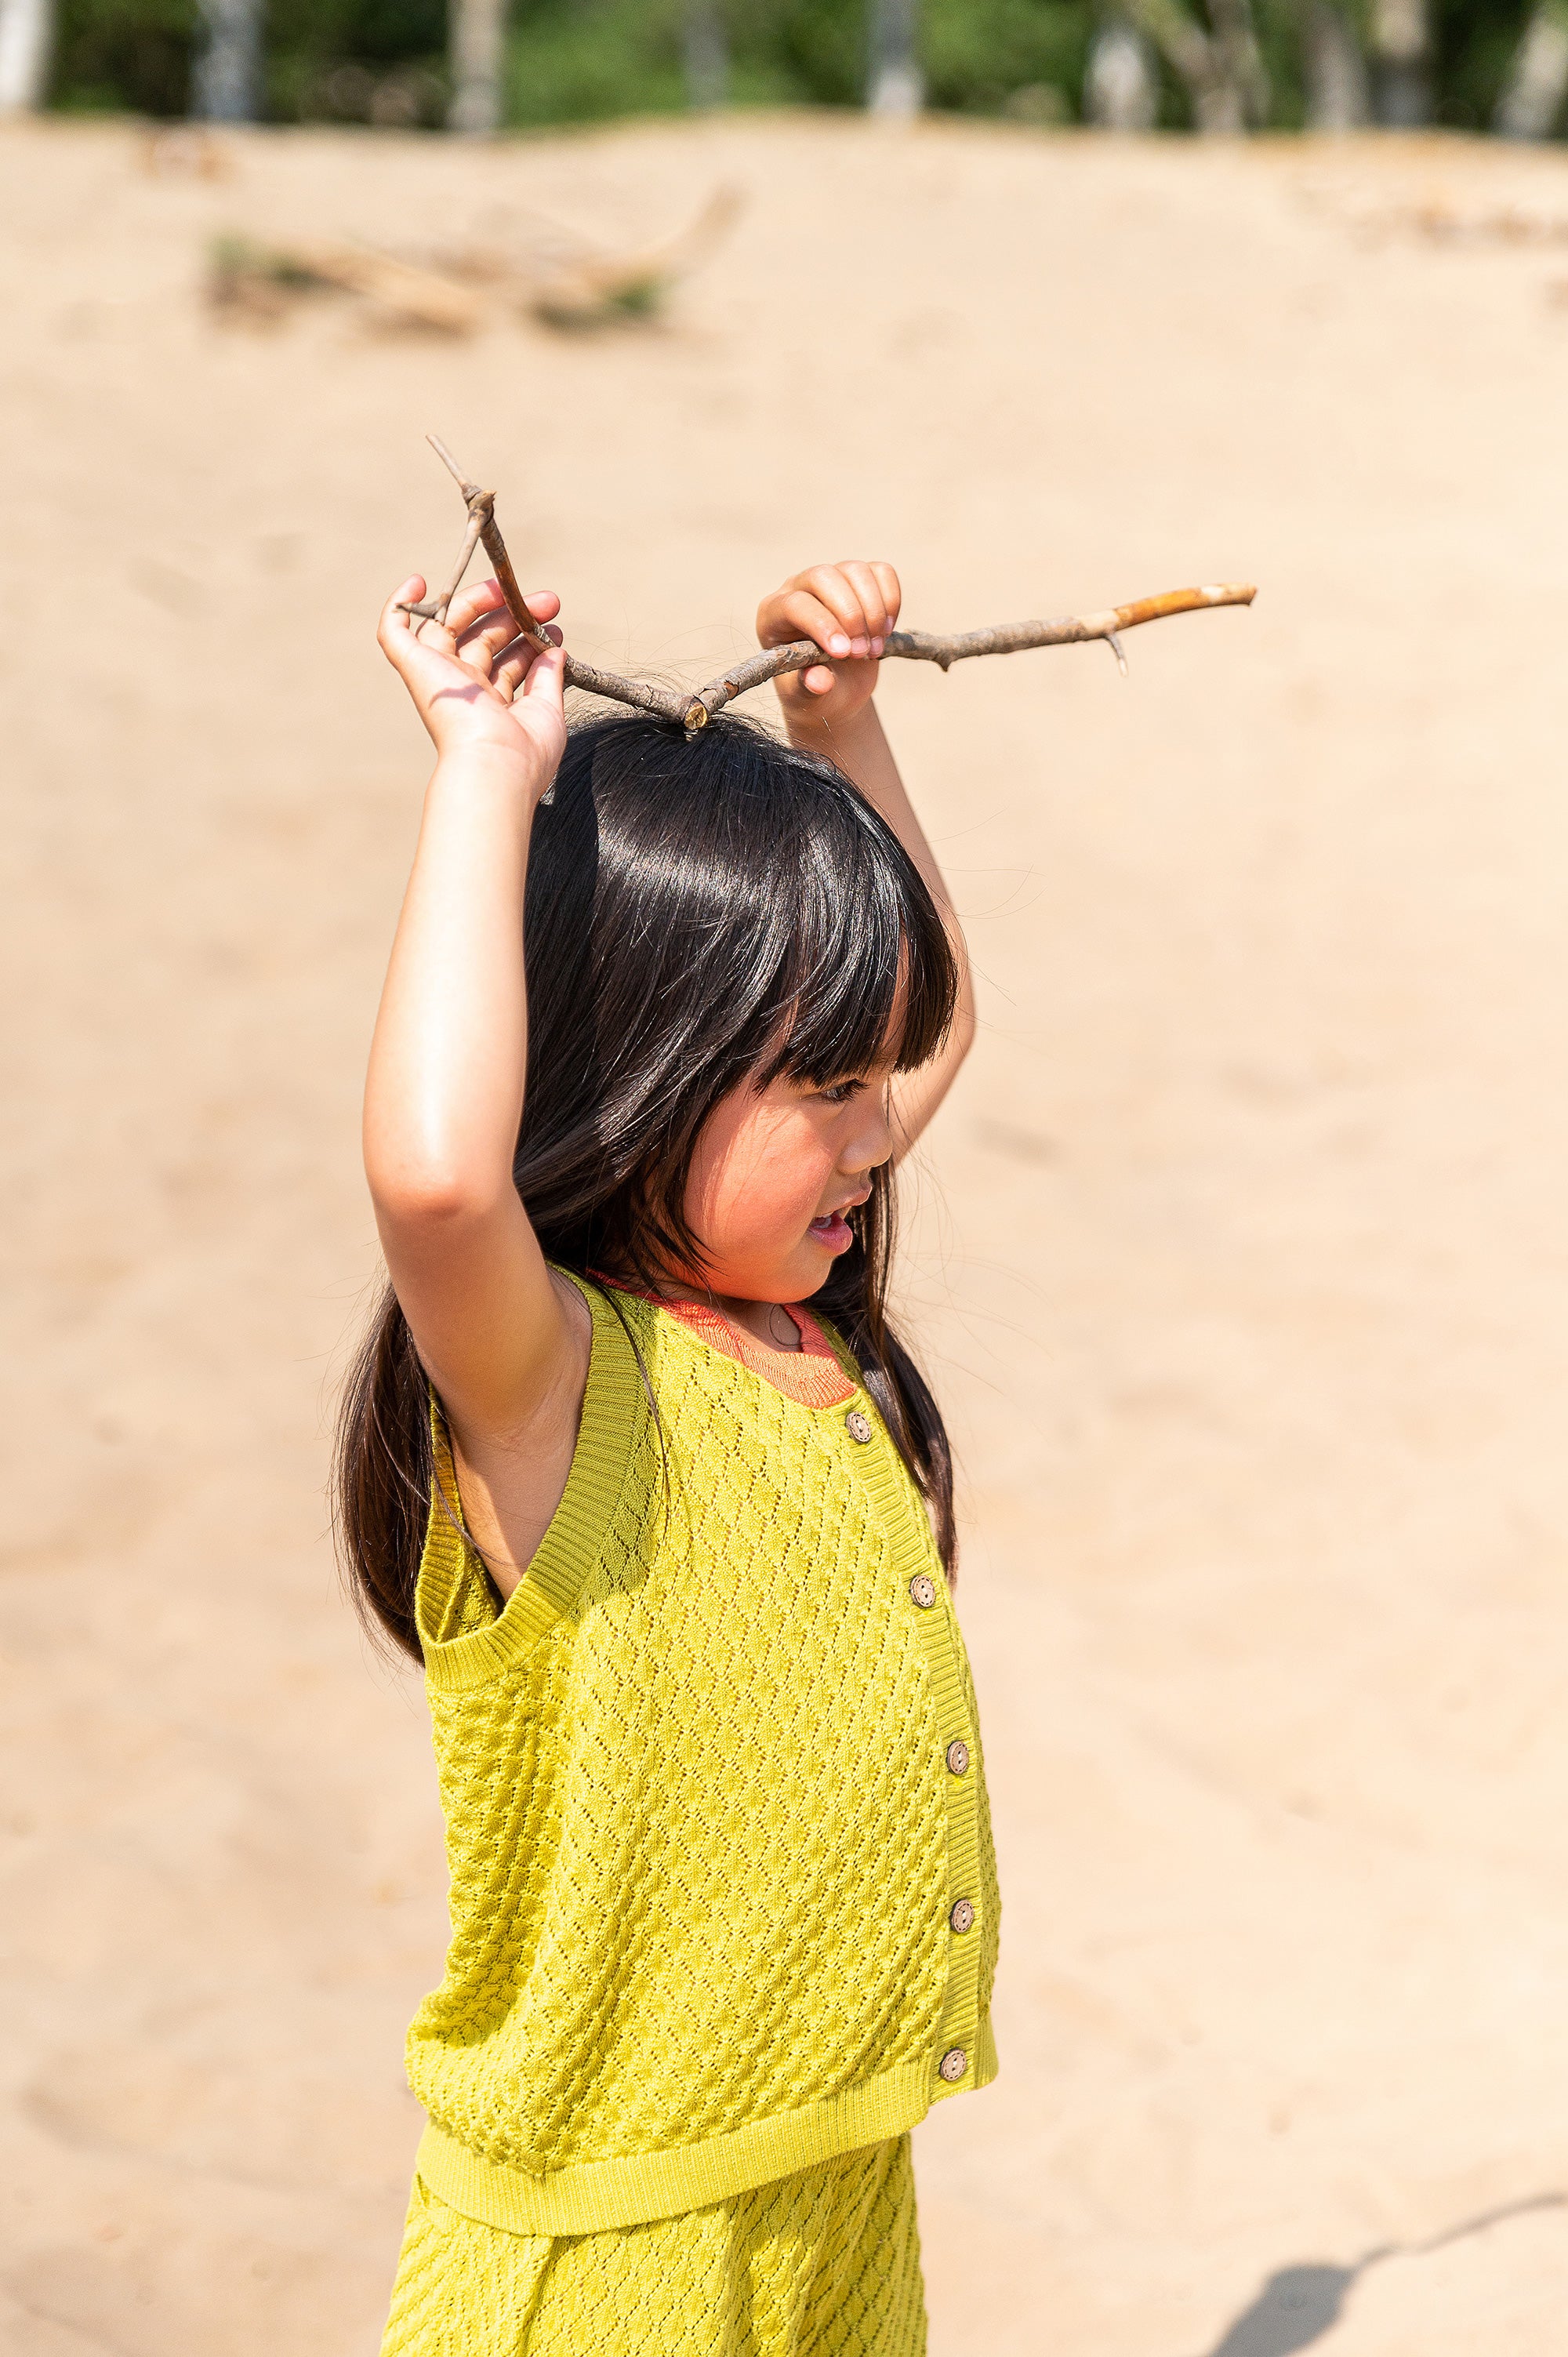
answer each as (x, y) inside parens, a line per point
(690, 711)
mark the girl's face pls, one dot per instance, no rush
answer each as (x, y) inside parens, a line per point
(774, 1172)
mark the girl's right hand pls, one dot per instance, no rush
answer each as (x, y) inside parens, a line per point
(475, 683)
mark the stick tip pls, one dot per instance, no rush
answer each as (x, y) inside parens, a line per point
(450, 463)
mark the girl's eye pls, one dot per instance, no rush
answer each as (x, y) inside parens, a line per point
(841, 1091)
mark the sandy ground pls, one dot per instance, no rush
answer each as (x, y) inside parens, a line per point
(1241, 1255)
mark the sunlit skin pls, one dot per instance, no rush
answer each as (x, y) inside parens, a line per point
(772, 1179)
(504, 1339)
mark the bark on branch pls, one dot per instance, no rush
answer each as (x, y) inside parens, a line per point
(683, 709)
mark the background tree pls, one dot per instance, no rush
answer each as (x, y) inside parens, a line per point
(1333, 71)
(226, 86)
(478, 53)
(894, 85)
(1473, 64)
(706, 55)
(1219, 63)
(1401, 62)
(26, 38)
(1120, 81)
(1532, 102)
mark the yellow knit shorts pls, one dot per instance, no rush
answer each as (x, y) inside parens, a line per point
(823, 2264)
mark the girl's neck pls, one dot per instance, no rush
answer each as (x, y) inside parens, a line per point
(771, 1323)
(768, 1322)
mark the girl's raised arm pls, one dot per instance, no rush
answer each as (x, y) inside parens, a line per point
(506, 1349)
(849, 608)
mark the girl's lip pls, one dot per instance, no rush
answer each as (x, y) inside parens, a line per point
(851, 1203)
(834, 1231)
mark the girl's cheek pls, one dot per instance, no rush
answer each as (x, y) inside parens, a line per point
(777, 1204)
(758, 1182)
(770, 1211)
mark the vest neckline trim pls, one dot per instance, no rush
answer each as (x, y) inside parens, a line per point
(814, 1376)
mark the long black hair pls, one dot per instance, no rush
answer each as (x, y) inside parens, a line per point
(696, 912)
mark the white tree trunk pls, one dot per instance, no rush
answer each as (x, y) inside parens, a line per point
(1336, 97)
(1538, 78)
(479, 55)
(1402, 63)
(1121, 90)
(705, 55)
(228, 81)
(27, 40)
(894, 86)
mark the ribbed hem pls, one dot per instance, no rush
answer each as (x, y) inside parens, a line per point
(600, 2195)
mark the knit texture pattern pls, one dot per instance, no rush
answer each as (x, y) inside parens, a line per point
(702, 1828)
(823, 2264)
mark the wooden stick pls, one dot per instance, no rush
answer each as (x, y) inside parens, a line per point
(1003, 638)
(691, 712)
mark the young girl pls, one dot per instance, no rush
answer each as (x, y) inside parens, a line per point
(673, 1548)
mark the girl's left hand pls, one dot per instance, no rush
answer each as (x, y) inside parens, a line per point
(848, 610)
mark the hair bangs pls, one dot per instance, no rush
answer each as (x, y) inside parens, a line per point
(870, 976)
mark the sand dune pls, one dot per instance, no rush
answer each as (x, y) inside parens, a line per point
(1240, 1252)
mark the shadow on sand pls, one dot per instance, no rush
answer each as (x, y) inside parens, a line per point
(1298, 2305)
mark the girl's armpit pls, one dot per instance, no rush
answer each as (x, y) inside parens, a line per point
(512, 1483)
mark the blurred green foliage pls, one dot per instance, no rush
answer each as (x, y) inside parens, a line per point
(585, 60)
(1475, 41)
(115, 54)
(590, 60)
(324, 58)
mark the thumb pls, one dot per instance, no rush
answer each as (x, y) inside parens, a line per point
(395, 630)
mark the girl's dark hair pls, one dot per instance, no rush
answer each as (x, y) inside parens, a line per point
(696, 911)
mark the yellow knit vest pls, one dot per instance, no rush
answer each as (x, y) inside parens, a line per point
(723, 1895)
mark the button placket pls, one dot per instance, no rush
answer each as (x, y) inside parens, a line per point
(959, 2028)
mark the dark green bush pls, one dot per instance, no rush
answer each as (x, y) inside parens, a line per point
(586, 60)
(111, 55)
(1474, 44)
(985, 56)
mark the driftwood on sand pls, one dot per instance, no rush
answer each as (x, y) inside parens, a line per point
(550, 276)
(684, 708)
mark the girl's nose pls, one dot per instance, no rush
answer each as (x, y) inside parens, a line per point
(872, 1143)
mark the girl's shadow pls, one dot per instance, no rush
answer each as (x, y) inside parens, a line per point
(1295, 2306)
(1298, 2305)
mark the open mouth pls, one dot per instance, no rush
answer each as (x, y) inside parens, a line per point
(833, 1232)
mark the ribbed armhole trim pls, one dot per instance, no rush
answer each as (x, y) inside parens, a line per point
(615, 1411)
(600, 2195)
